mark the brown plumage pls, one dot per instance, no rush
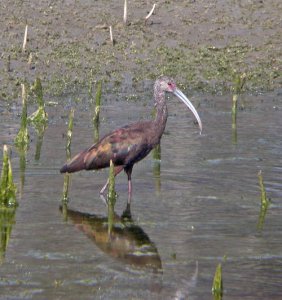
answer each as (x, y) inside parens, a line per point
(127, 145)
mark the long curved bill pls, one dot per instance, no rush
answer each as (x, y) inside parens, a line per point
(187, 102)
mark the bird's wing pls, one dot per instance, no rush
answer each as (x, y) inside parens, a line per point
(123, 146)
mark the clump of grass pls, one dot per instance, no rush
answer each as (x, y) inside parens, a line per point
(264, 202)
(40, 116)
(7, 186)
(22, 138)
(217, 287)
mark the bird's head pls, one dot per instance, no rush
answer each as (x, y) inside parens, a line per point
(166, 84)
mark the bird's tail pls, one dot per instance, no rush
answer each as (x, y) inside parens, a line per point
(75, 164)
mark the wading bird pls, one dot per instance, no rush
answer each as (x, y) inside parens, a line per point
(129, 144)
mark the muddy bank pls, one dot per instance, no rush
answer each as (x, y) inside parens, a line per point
(200, 43)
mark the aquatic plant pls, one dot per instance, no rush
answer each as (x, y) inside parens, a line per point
(39, 117)
(217, 287)
(96, 115)
(22, 138)
(7, 186)
(264, 202)
(111, 191)
(97, 102)
(40, 130)
(238, 84)
(67, 176)
(69, 133)
(65, 197)
(111, 198)
(7, 220)
(8, 202)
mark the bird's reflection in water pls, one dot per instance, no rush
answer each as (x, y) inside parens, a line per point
(127, 241)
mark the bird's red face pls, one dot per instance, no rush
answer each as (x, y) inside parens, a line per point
(168, 85)
(171, 86)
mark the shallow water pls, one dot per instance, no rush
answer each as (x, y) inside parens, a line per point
(200, 209)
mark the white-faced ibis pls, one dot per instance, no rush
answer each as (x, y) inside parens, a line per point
(129, 144)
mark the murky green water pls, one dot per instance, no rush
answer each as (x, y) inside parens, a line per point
(204, 206)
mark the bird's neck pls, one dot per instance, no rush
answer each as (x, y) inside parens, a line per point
(161, 113)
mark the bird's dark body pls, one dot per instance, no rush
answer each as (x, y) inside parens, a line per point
(124, 146)
(129, 144)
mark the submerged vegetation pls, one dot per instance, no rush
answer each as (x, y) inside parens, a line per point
(8, 202)
(217, 288)
(264, 202)
(22, 139)
(39, 117)
(111, 198)
(238, 84)
(7, 186)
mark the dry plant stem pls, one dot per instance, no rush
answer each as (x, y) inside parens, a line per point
(8, 65)
(150, 13)
(29, 60)
(125, 12)
(25, 38)
(111, 35)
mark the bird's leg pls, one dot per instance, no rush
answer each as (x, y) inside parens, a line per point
(117, 170)
(128, 171)
(104, 187)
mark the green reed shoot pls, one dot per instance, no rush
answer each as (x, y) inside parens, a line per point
(97, 102)
(96, 116)
(7, 220)
(40, 134)
(217, 287)
(69, 133)
(111, 198)
(7, 186)
(264, 202)
(238, 84)
(67, 177)
(22, 138)
(40, 116)
(90, 86)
